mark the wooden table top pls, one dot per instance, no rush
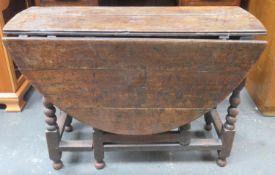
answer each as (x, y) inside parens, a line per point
(137, 21)
(138, 85)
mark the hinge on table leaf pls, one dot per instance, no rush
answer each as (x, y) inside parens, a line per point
(224, 37)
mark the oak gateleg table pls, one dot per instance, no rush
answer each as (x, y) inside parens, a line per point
(135, 74)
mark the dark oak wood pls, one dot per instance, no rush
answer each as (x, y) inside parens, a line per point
(228, 129)
(98, 149)
(136, 79)
(69, 127)
(208, 121)
(122, 85)
(101, 139)
(52, 134)
(76, 145)
(182, 139)
(135, 21)
(216, 120)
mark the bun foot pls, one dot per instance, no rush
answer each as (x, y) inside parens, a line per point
(208, 127)
(99, 165)
(58, 165)
(221, 162)
(69, 128)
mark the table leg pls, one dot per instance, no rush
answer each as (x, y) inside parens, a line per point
(98, 146)
(52, 134)
(208, 121)
(185, 135)
(69, 127)
(228, 130)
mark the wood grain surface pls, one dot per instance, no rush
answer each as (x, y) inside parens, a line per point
(134, 86)
(135, 20)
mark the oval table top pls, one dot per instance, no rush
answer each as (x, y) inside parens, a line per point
(135, 21)
(136, 84)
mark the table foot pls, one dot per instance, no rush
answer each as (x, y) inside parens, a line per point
(52, 134)
(208, 127)
(208, 121)
(99, 165)
(69, 128)
(221, 162)
(58, 165)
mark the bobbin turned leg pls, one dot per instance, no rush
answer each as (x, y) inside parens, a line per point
(69, 127)
(52, 134)
(186, 136)
(98, 149)
(208, 121)
(228, 130)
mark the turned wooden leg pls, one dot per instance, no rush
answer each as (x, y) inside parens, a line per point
(52, 134)
(185, 134)
(98, 149)
(228, 130)
(69, 127)
(208, 121)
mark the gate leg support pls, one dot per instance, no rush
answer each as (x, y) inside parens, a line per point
(98, 149)
(228, 130)
(52, 134)
(185, 134)
(69, 127)
(208, 121)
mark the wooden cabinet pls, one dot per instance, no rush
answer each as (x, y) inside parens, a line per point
(12, 84)
(139, 2)
(261, 80)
